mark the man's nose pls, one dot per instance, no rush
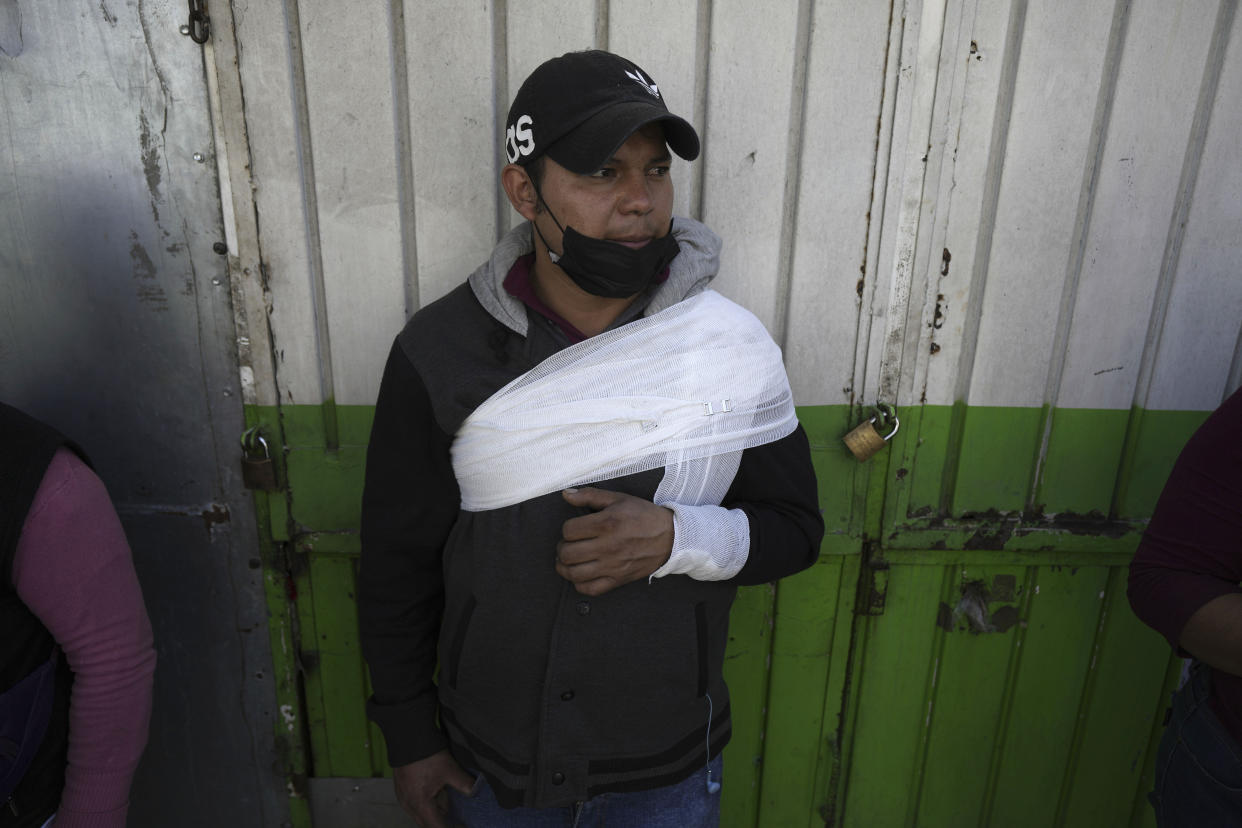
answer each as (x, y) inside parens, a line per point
(635, 195)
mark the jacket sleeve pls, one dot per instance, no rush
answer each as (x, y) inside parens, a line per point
(775, 486)
(1191, 551)
(73, 569)
(767, 526)
(409, 504)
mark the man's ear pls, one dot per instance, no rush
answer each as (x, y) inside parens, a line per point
(520, 190)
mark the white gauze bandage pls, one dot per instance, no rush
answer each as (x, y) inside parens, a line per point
(687, 389)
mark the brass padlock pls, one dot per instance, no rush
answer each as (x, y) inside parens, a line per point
(258, 470)
(865, 440)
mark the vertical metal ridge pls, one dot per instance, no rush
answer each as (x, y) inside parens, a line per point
(1234, 381)
(881, 162)
(405, 156)
(983, 245)
(793, 172)
(837, 725)
(775, 609)
(1212, 69)
(1112, 586)
(932, 685)
(310, 211)
(1011, 682)
(602, 27)
(881, 165)
(702, 82)
(1141, 810)
(500, 104)
(1100, 121)
(855, 670)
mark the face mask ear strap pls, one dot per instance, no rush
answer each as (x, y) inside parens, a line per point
(539, 196)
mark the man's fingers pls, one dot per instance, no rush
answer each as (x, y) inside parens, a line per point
(589, 526)
(591, 498)
(574, 553)
(461, 781)
(422, 787)
(597, 587)
(432, 816)
(592, 577)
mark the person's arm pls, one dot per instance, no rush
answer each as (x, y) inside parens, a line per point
(73, 569)
(410, 502)
(1214, 633)
(1184, 577)
(767, 526)
(776, 487)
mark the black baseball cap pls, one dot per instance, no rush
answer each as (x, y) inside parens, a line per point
(580, 107)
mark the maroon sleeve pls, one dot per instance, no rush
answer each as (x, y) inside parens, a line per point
(1192, 549)
(73, 570)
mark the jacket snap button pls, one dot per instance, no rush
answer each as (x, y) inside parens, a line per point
(558, 778)
(584, 607)
(568, 695)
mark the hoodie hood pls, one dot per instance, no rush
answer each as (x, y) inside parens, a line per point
(695, 266)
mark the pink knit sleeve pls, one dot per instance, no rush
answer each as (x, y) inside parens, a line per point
(73, 570)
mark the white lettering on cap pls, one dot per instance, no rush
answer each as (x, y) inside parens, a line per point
(519, 140)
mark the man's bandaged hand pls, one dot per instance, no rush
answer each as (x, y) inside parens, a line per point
(625, 538)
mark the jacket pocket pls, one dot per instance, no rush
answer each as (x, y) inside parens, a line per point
(458, 641)
(700, 622)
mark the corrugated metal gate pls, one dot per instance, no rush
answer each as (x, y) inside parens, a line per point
(1015, 220)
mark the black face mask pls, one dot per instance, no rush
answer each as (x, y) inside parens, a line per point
(606, 268)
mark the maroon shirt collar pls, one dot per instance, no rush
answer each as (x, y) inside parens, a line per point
(520, 284)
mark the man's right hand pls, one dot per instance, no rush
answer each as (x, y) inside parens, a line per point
(421, 788)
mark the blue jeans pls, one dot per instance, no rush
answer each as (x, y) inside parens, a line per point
(1198, 764)
(684, 805)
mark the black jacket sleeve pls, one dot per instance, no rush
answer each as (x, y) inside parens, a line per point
(775, 485)
(409, 504)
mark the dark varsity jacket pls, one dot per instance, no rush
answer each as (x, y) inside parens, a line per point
(553, 695)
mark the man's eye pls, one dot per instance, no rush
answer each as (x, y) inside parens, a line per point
(603, 172)
(659, 172)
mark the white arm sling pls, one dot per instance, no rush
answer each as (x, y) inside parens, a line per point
(686, 389)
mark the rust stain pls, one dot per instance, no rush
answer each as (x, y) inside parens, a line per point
(149, 292)
(990, 538)
(944, 617)
(1004, 587)
(215, 515)
(154, 296)
(150, 162)
(144, 268)
(1005, 618)
(971, 613)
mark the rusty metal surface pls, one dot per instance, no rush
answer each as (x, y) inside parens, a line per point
(116, 327)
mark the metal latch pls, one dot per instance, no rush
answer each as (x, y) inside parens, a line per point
(199, 27)
(258, 470)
